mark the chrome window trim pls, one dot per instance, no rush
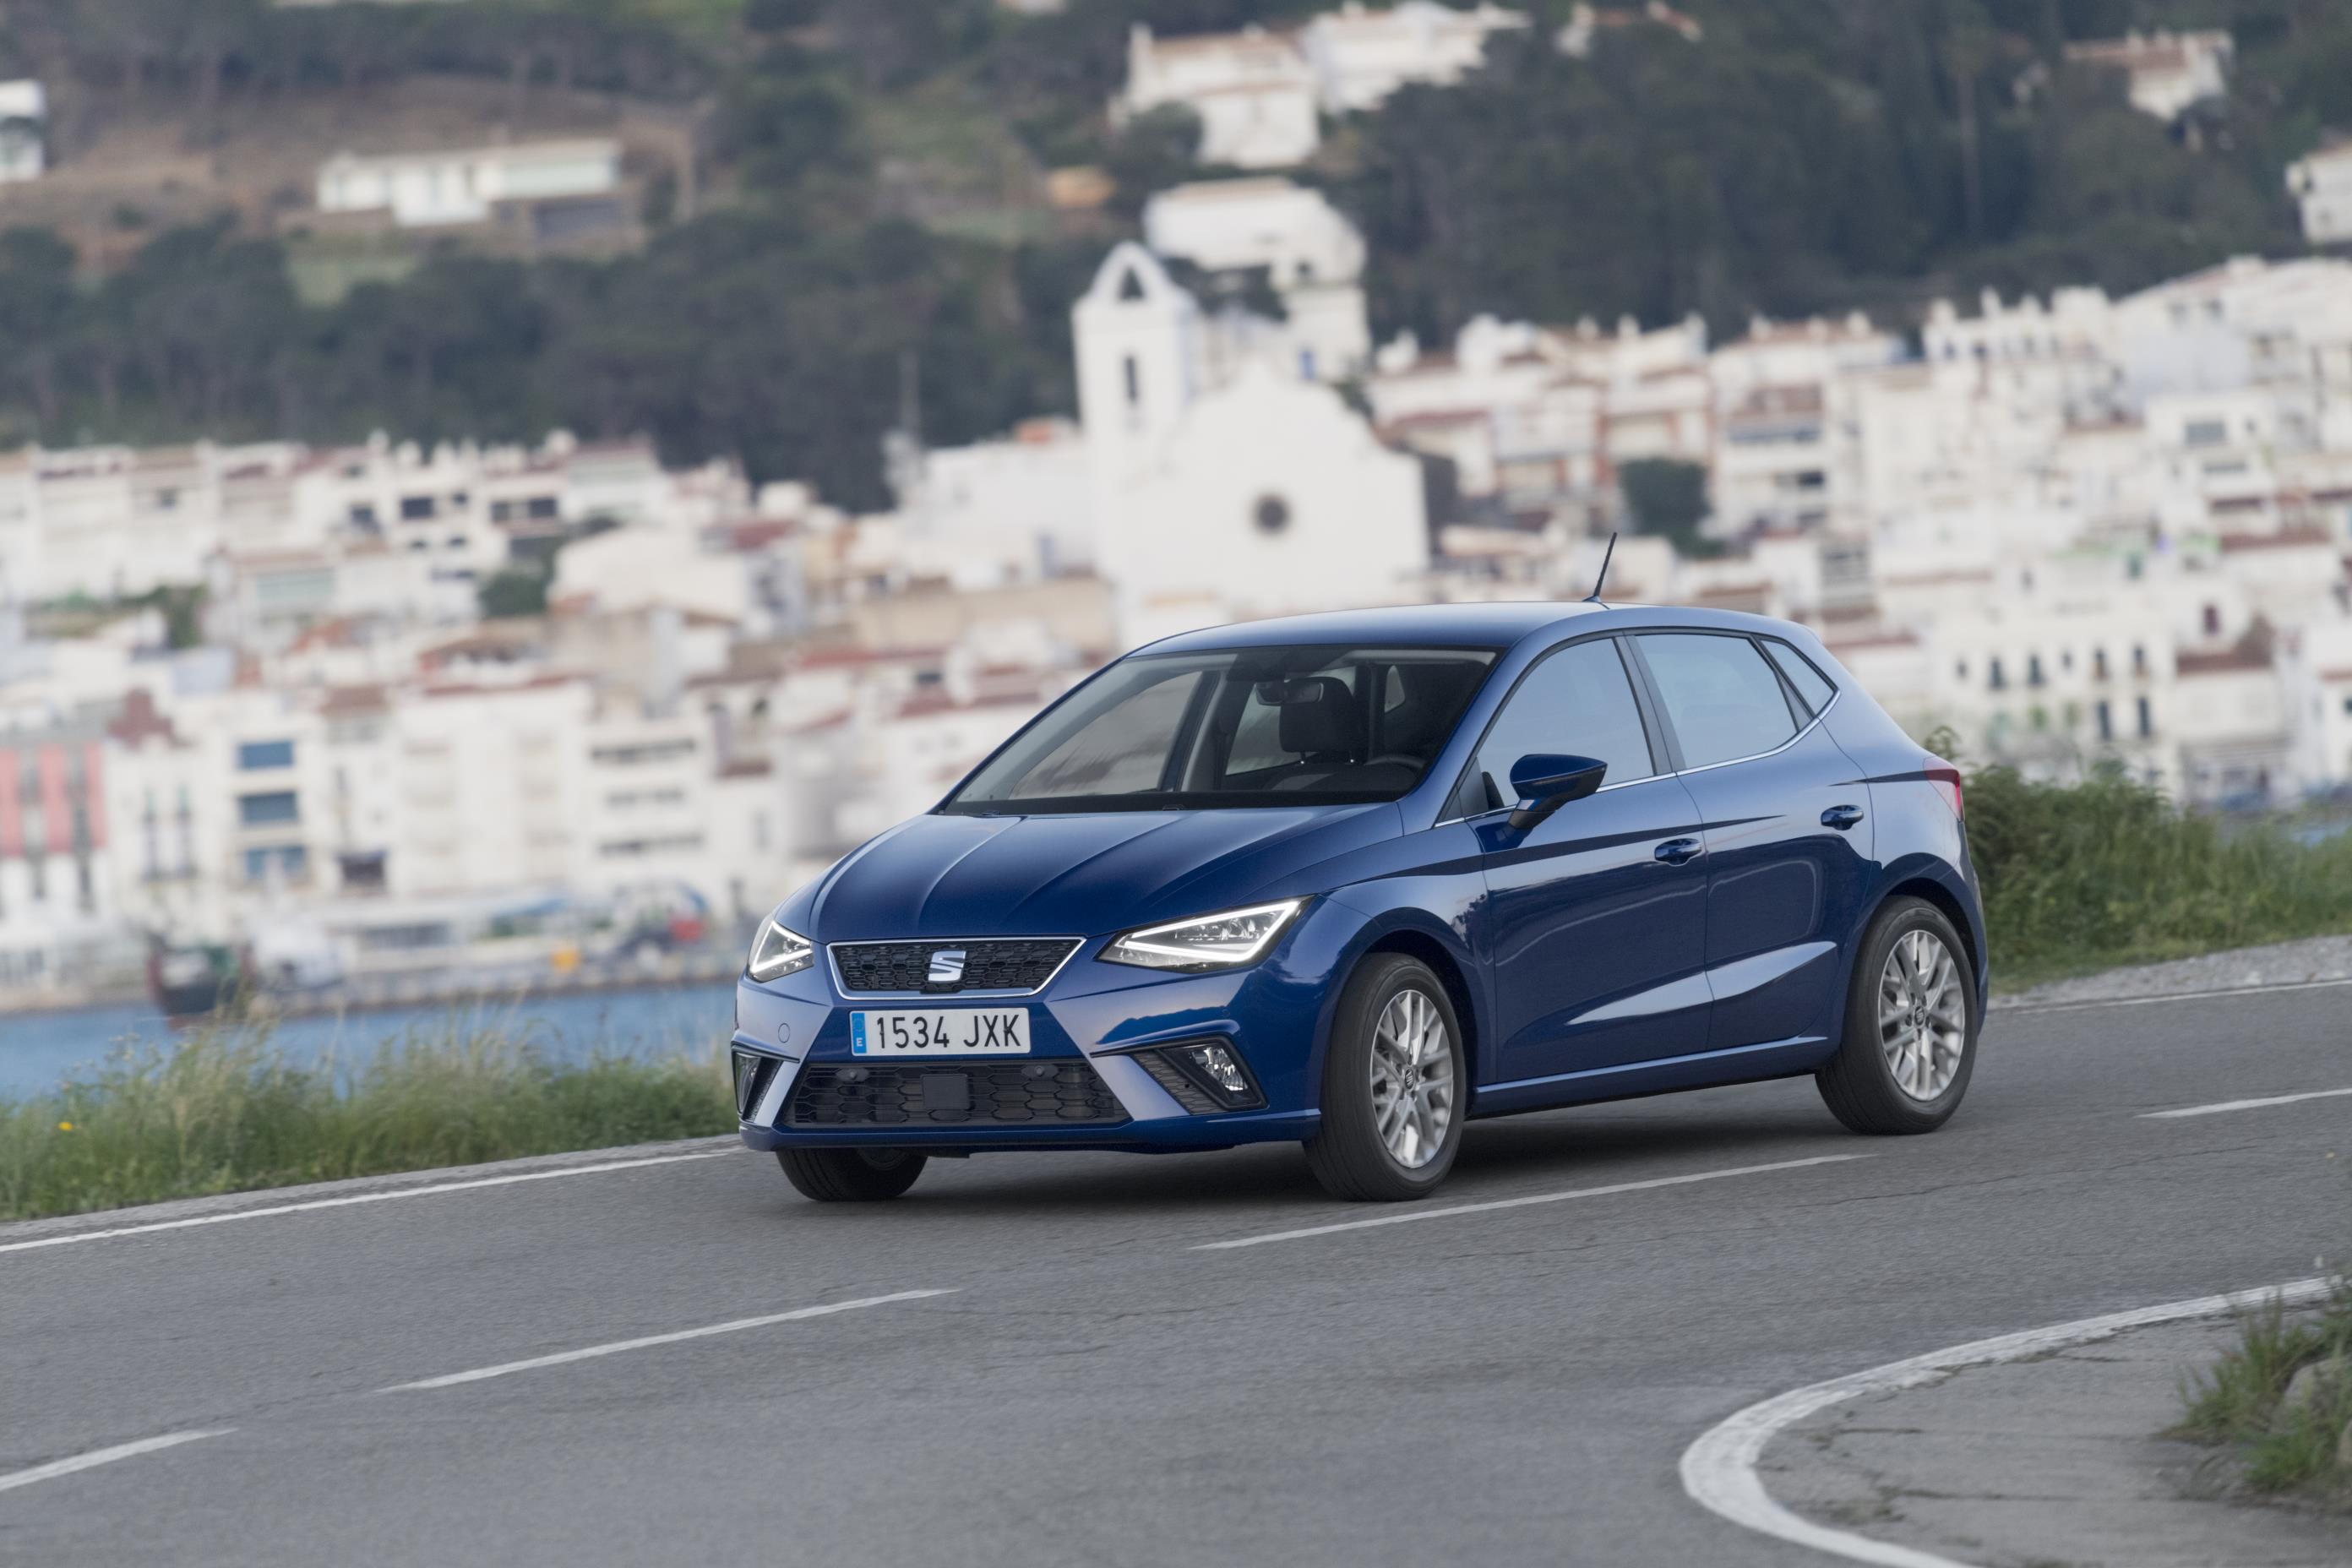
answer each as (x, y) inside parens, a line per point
(1759, 756)
(1078, 944)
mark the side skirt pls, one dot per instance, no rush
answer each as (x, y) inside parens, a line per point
(1668, 1075)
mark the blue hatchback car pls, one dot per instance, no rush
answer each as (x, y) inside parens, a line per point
(1355, 880)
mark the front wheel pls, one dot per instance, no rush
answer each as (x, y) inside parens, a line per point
(1911, 1025)
(1395, 1084)
(850, 1175)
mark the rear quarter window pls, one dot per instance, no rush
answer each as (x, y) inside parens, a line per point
(1811, 685)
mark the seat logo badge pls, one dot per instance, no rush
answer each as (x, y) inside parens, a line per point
(947, 967)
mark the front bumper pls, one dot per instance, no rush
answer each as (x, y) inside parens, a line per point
(1272, 1014)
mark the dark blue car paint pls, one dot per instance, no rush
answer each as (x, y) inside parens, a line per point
(1570, 992)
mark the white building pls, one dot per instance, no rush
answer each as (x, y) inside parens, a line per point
(1362, 54)
(23, 131)
(2323, 184)
(1229, 492)
(1310, 252)
(2168, 71)
(428, 189)
(1253, 90)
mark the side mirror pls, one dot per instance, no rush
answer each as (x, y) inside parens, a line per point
(1544, 783)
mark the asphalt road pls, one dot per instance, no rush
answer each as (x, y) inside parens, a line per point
(1508, 1385)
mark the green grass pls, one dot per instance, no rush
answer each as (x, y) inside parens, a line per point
(2088, 877)
(223, 1111)
(2238, 1402)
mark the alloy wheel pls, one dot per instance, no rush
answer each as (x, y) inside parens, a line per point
(1412, 1078)
(1922, 1018)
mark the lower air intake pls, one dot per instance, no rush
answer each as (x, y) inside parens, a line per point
(1064, 1092)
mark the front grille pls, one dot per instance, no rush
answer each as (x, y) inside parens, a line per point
(1066, 1092)
(1018, 963)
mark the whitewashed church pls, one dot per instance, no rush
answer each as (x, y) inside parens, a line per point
(1225, 482)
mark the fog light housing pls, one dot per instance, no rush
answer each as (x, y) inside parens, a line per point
(753, 1073)
(1205, 1077)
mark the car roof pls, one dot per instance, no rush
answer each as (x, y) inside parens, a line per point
(1497, 626)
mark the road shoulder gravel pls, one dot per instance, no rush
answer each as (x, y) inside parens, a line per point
(2314, 960)
(2051, 1460)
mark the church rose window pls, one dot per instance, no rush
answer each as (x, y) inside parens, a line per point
(1273, 514)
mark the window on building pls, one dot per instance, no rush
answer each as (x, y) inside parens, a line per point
(1721, 696)
(2204, 433)
(2212, 619)
(254, 755)
(2146, 718)
(540, 508)
(2106, 717)
(1995, 677)
(2099, 664)
(416, 509)
(2139, 660)
(267, 810)
(1132, 373)
(2033, 676)
(285, 862)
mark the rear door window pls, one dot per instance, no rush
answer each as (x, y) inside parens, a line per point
(1578, 702)
(1721, 696)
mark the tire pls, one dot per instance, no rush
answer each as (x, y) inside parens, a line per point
(1909, 1050)
(851, 1176)
(1349, 1154)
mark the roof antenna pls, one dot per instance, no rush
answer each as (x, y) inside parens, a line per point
(1598, 582)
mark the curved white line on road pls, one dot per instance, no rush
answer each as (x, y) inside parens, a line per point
(1718, 1471)
(1410, 1215)
(504, 1368)
(2245, 1104)
(383, 1197)
(98, 1456)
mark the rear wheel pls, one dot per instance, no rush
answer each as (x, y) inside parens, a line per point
(850, 1175)
(1394, 1081)
(1911, 1024)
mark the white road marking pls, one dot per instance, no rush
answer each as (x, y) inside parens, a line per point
(1410, 1215)
(1718, 1471)
(2215, 994)
(98, 1456)
(736, 1326)
(2245, 1104)
(383, 1197)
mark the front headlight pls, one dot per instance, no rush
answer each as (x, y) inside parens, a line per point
(777, 952)
(1211, 942)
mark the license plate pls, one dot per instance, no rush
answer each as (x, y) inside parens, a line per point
(950, 1032)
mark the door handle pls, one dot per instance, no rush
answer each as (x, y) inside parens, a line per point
(1841, 817)
(1680, 851)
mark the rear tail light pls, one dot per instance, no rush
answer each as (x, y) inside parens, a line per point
(1946, 780)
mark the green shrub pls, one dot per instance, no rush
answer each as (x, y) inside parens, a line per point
(2085, 876)
(2241, 1401)
(223, 1111)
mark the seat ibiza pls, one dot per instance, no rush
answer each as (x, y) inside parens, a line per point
(1356, 880)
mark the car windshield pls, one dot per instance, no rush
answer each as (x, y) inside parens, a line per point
(1261, 726)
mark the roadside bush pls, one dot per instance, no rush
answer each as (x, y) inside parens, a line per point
(2283, 1396)
(223, 1111)
(2085, 876)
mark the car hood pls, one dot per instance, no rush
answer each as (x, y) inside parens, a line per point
(1077, 874)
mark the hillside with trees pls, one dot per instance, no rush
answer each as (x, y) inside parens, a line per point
(870, 227)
